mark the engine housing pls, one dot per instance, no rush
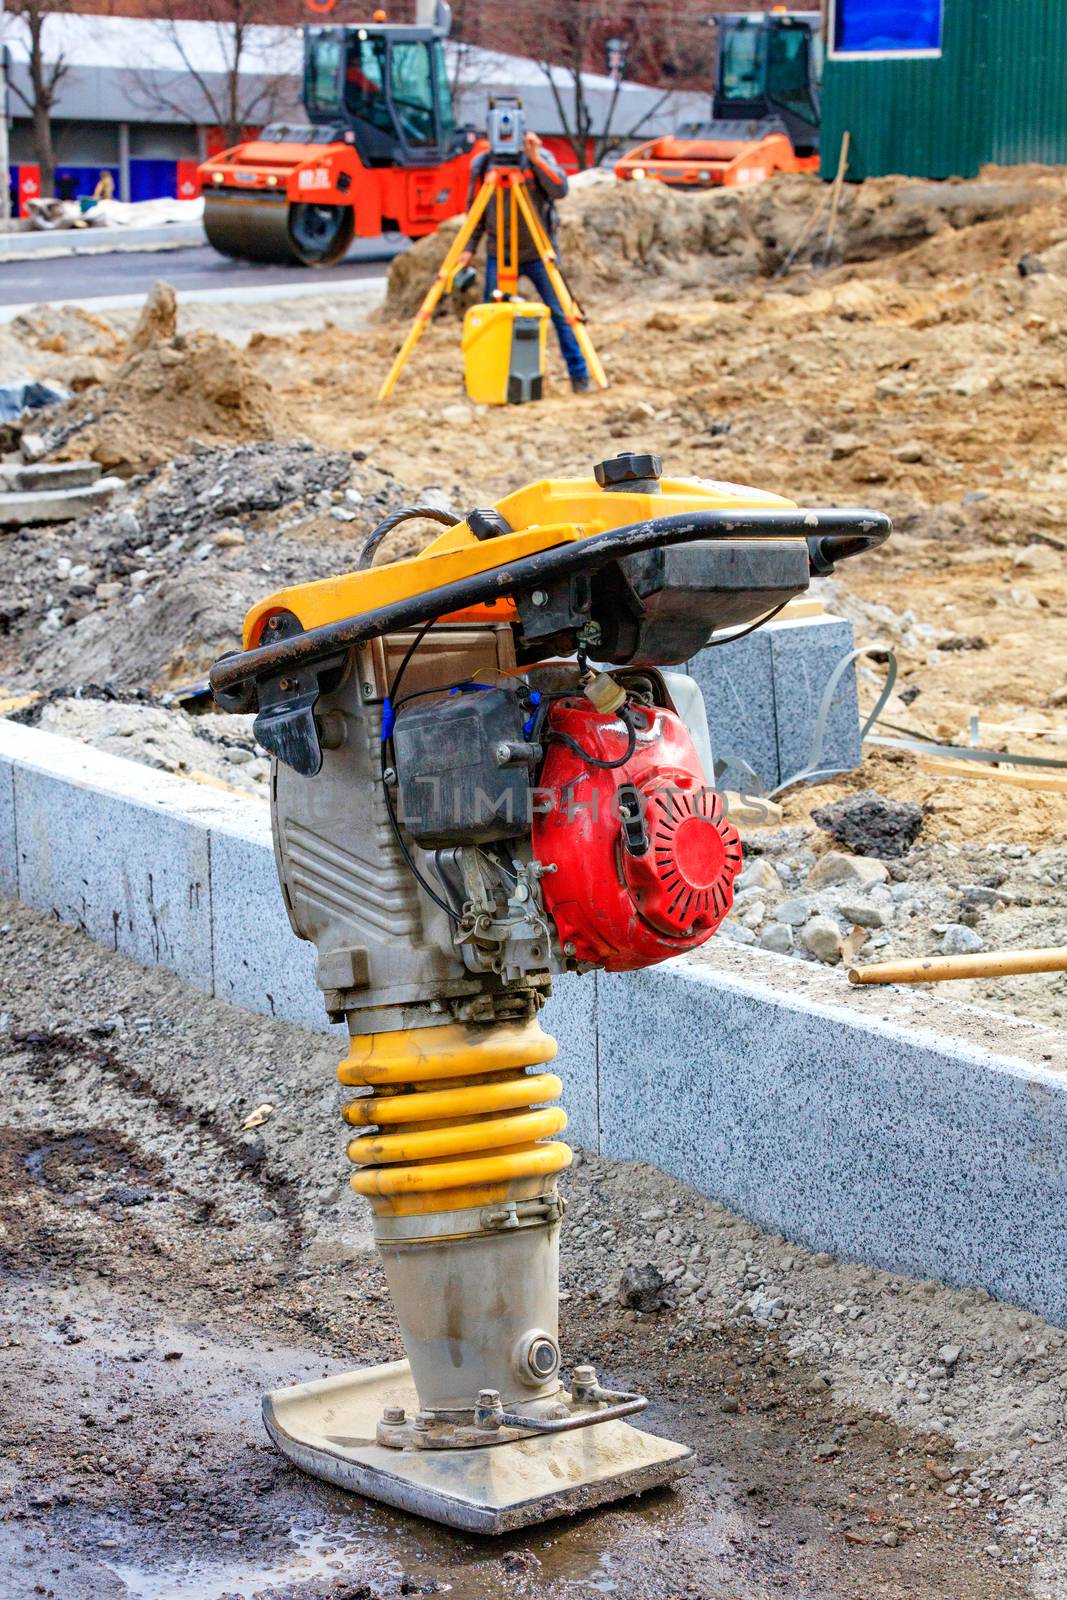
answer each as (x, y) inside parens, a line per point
(637, 860)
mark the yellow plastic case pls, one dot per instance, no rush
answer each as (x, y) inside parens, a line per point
(504, 351)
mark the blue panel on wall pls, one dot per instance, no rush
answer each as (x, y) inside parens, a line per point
(877, 26)
(152, 178)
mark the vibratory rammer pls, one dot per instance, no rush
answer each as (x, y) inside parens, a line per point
(465, 806)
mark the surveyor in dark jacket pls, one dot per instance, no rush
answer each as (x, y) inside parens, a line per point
(546, 182)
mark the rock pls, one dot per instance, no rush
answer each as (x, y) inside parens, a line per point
(458, 415)
(158, 321)
(642, 1288)
(736, 933)
(228, 538)
(1030, 265)
(822, 937)
(872, 825)
(835, 867)
(32, 446)
(759, 875)
(949, 1354)
(913, 450)
(778, 937)
(251, 1150)
(108, 591)
(843, 445)
(891, 1538)
(794, 913)
(1058, 697)
(862, 913)
(972, 383)
(959, 940)
(1039, 558)
(522, 1561)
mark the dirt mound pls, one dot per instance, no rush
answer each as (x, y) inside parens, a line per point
(61, 344)
(167, 398)
(66, 330)
(158, 321)
(616, 234)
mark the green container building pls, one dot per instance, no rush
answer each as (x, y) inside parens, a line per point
(938, 88)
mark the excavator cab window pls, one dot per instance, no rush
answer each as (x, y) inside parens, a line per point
(446, 114)
(411, 80)
(742, 61)
(324, 61)
(365, 77)
(789, 71)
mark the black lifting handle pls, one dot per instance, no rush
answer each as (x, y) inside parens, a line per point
(830, 535)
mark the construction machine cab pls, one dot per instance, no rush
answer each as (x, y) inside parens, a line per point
(769, 66)
(386, 86)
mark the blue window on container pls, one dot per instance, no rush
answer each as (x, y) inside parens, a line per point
(887, 27)
(152, 178)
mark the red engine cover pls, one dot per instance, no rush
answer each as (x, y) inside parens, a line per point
(621, 904)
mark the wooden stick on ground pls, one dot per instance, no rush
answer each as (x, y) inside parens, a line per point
(1022, 777)
(938, 969)
(835, 198)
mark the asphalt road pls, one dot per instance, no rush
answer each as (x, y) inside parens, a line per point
(87, 277)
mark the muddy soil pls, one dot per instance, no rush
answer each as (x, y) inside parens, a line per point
(160, 1267)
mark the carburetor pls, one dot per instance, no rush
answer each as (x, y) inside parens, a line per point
(486, 774)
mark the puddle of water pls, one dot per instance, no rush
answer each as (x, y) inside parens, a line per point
(314, 1553)
(76, 1147)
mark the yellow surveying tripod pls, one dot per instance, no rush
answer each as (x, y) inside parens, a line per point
(500, 182)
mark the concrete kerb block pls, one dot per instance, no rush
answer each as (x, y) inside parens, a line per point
(804, 656)
(114, 848)
(27, 479)
(571, 1017)
(913, 1148)
(763, 693)
(22, 508)
(737, 683)
(9, 875)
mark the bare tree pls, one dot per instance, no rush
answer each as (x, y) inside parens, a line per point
(46, 72)
(577, 37)
(246, 91)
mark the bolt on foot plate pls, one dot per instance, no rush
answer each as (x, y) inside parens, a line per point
(327, 1428)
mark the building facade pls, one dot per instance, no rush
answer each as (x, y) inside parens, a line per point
(940, 88)
(141, 99)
